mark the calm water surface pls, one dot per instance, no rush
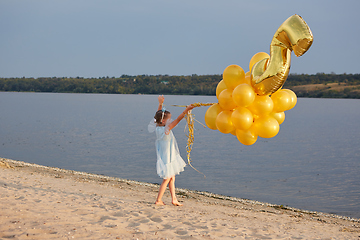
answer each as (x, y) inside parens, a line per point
(313, 163)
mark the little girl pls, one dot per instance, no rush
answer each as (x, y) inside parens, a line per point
(169, 162)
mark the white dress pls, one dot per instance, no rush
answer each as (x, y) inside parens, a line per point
(169, 162)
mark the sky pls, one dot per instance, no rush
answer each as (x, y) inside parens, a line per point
(96, 38)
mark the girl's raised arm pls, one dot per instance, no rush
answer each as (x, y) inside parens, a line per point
(161, 101)
(180, 117)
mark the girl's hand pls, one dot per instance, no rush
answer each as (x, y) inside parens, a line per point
(181, 116)
(161, 99)
(190, 107)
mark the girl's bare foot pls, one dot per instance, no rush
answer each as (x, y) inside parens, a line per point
(159, 203)
(176, 203)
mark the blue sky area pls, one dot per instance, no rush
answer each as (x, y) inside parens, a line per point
(88, 38)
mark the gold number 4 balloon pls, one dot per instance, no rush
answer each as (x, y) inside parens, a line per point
(269, 75)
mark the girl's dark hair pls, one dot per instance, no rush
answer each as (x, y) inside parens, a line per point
(159, 116)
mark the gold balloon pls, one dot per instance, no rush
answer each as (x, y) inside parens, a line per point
(247, 80)
(258, 57)
(268, 75)
(246, 137)
(266, 127)
(243, 95)
(279, 116)
(233, 75)
(242, 118)
(220, 87)
(226, 101)
(224, 123)
(262, 105)
(282, 100)
(211, 114)
(292, 97)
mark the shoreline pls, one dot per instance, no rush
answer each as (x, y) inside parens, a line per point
(240, 215)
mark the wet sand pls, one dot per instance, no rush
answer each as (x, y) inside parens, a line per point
(39, 202)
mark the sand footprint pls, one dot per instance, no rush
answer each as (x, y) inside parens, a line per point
(104, 218)
(133, 224)
(156, 219)
(119, 214)
(181, 232)
(112, 204)
(144, 220)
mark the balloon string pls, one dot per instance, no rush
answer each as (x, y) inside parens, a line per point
(190, 126)
(190, 117)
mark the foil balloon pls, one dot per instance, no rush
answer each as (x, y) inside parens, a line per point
(270, 74)
(256, 58)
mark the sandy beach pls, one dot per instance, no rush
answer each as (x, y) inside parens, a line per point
(39, 202)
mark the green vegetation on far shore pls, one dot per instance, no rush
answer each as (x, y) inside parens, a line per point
(319, 85)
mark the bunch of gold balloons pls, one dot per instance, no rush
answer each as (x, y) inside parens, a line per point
(252, 104)
(242, 112)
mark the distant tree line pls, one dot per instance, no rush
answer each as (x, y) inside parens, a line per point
(165, 84)
(351, 83)
(143, 84)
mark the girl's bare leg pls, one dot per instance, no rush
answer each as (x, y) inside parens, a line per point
(172, 191)
(162, 191)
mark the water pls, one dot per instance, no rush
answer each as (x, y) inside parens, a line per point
(313, 163)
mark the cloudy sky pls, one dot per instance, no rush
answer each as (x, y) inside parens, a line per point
(95, 38)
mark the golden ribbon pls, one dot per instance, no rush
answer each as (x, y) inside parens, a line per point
(190, 118)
